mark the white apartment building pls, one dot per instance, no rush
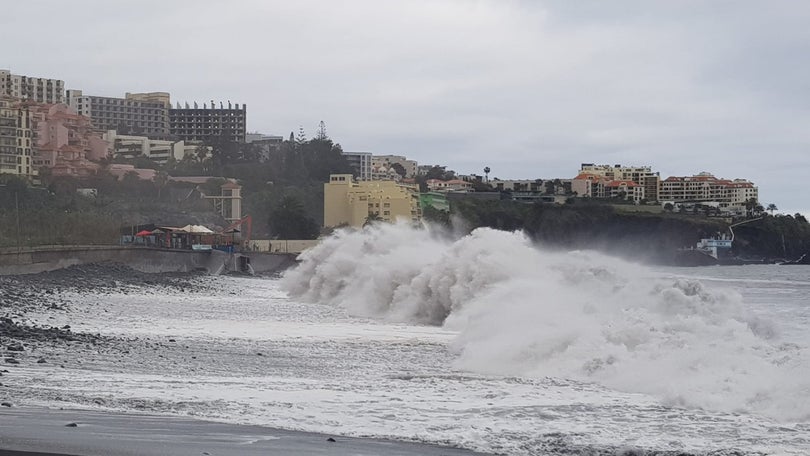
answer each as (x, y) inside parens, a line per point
(588, 185)
(159, 151)
(644, 176)
(39, 90)
(518, 185)
(360, 163)
(705, 187)
(142, 113)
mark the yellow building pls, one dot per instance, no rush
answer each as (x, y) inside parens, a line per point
(15, 138)
(352, 203)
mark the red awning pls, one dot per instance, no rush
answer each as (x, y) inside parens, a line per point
(143, 233)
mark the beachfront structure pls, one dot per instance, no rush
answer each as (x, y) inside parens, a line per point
(353, 203)
(33, 89)
(157, 150)
(65, 141)
(136, 114)
(643, 176)
(209, 122)
(360, 163)
(706, 188)
(16, 138)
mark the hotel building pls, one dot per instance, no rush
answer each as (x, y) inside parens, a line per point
(352, 203)
(137, 113)
(27, 88)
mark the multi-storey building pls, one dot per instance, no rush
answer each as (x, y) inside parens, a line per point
(705, 187)
(643, 176)
(353, 203)
(16, 138)
(454, 185)
(589, 185)
(137, 113)
(65, 141)
(38, 90)
(201, 124)
(157, 150)
(360, 163)
(518, 185)
(382, 164)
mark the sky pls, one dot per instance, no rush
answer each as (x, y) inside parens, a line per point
(531, 89)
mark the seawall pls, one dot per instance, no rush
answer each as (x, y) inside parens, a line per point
(144, 259)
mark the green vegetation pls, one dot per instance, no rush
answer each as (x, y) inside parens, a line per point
(49, 216)
(640, 235)
(289, 221)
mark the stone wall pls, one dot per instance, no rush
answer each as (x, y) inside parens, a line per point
(144, 259)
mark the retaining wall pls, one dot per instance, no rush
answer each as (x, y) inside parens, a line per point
(144, 259)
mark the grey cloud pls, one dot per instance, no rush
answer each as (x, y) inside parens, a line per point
(531, 89)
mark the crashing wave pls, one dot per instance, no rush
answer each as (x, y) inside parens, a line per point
(520, 310)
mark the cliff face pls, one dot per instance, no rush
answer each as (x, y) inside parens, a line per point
(649, 238)
(773, 238)
(639, 236)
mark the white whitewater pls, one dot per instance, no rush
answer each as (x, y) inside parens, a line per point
(524, 311)
(485, 342)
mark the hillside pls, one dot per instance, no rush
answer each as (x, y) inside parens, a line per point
(636, 235)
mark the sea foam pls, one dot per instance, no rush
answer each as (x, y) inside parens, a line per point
(524, 311)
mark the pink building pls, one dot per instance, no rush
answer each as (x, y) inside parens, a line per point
(65, 141)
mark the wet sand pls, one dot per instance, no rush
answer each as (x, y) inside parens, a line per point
(29, 431)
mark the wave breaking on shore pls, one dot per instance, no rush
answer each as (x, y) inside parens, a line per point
(523, 311)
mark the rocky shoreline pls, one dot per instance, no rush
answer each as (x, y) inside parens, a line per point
(25, 342)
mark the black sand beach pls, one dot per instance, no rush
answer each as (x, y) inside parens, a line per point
(34, 431)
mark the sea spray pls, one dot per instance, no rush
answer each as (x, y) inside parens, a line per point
(523, 311)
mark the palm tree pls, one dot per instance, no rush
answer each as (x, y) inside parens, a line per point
(486, 172)
(772, 207)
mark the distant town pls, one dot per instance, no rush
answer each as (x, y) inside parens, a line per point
(48, 131)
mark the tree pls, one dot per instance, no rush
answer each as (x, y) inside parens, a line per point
(772, 207)
(321, 133)
(669, 207)
(302, 137)
(288, 220)
(750, 206)
(399, 169)
(161, 179)
(486, 172)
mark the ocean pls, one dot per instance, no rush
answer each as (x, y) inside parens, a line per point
(485, 342)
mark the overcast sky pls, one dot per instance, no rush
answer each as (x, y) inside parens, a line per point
(531, 89)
